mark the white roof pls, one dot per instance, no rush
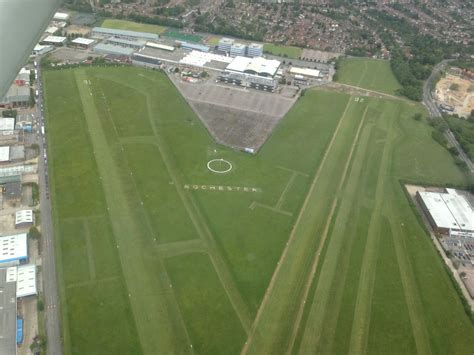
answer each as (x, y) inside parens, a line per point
(60, 16)
(84, 41)
(54, 39)
(51, 29)
(4, 153)
(305, 71)
(449, 210)
(259, 65)
(200, 59)
(26, 281)
(24, 216)
(7, 124)
(13, 247)
(160, 46)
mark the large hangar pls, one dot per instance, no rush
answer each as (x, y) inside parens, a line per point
(254, 66)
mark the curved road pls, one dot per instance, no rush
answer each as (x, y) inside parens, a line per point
(434, 111)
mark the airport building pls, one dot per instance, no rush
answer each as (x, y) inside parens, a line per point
(254, 66)
(447, 212)
(254, 50)
(102, 32)
(146, 61)
(13, 249)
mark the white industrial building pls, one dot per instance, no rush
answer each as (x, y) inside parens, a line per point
(25, 278)
(447, 212)
(105, 48)
(61, 16)
(83, 42)
(7, 124)
(307, 72)
(103, 32)
(5, 154)
(54, 40)
(13, 249)
(51, 30)
(254, 66)
(136, 44)
(200, 59)
(41, 49)
(160, 46)
(24, 218)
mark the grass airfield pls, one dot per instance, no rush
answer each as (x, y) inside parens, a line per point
(309, 246)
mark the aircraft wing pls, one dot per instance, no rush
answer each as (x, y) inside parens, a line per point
(21, 24)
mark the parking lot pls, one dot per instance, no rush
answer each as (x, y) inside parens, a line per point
(235, 116)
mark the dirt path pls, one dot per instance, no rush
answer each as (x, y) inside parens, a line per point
(315, 263)
(356, 90)
(292, 235)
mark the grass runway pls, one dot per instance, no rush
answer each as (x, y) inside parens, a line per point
(326, 257)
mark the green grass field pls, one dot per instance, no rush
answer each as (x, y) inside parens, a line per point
(372, 74)
(285, 51)
(178, 35)
(132, 26)
(318, 251)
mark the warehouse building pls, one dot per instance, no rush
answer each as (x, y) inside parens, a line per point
(102, 32)
(51, 30)
(146, 61)
(24, 219)
(306, 72)
(61, 16)
(163, 47)
(13, 250)
(25, 278)
(194, 46)
(8, 315)
(447, 212)
(7, 125)
(126, 43)
(254, 50)
(83, 42)
(41, 49)
(54, 40)
(104, 48)
(225, 44)
(17, 96)
(5, 154)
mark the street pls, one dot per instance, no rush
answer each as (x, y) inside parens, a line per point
(51, 298)
(434, 111)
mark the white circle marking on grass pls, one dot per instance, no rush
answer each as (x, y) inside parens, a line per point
(229, 167)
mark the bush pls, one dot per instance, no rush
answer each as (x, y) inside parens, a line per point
(34, 233)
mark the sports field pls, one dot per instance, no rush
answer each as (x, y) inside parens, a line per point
(132, 26)
(309, 246)
(372, 74)
(281, 50)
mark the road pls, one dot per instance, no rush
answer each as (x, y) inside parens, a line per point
(434, 111)
(50, 284)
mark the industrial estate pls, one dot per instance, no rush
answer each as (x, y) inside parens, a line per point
(206, 197)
